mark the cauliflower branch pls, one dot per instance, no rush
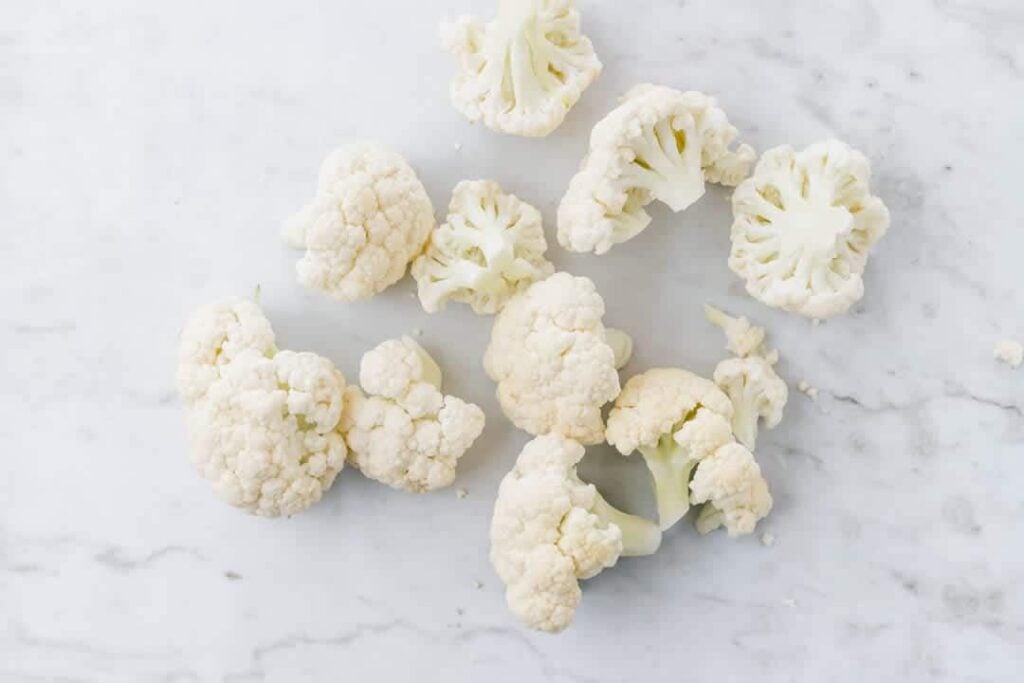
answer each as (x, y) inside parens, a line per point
(742, 338)
(659, 143)
(803, 226)
(523, 71)
(550, 530)
(491, 247)
(406, 434)
(734, 494)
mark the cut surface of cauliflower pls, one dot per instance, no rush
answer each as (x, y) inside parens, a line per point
(1009, 351)
(264, 435)
(490, 247)
(521, 72)
(550, 530)
(659, 143)
(803, 225)
(369, 218)
(406, 433)
(551, 360)
(734, 494)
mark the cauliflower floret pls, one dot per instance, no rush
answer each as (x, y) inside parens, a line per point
(742, 338)
(803, 226)
(1009, 351)
(734, 493)
(265, 433)
(622, 346)
(659, 143)
(674, 419)
(550, 530)
(521, 72)
(213, 336)
(369, 218)
(406, 434)
(551, 360)
(756, 393)
(491, 247)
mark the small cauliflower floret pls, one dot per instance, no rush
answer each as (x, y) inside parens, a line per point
(674, 419)
(491, 247)
(803, 226)
(265, 433)
(742, 338)
(550, 530)
(213, 336)
(406, 434)
(551, 360)
(734, 494)
(622, 346)
(522, 72)
(659, 143)
(369, 218)
(756, 393)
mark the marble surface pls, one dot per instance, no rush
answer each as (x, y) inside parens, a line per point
(150, 152)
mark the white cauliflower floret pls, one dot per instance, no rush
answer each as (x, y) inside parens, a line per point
(265, 433)
(659, 143)
(674, 418)
(369, 218)
(551, 360)
(550, 529)
(734, 493)
(521, 72)
(213, 336)
(756, 392)
(622, 346)
(490, 248)
(803, 226)
(742, 338)
(406, 434)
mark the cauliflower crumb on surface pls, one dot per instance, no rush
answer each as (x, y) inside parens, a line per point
(461, 493)
(805, 388)
(1009, 351)
(767, 539)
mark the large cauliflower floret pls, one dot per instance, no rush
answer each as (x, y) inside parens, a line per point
(659, 143)
(369, 218)
(551, 360)
(213, 336)
(674, 418)
(803, 226)
(265, 433)
(491, 247)
(735, 494)
(550, 530)
(406, 434)
(521, 72)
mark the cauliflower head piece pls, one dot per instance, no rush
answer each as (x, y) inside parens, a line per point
(490, 248)
(734, 494)
(523, 71)
(369, 218)
(741, 337)
(405, 433)
(659, 143)
(803, 226)
(264, 435)
(551, 359)
(550, 529)
(213, 336)
(756, 392)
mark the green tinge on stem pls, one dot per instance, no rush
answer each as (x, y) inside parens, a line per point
(670, 466)
(639, 536)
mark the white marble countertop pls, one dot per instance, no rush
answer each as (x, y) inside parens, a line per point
(150, 152)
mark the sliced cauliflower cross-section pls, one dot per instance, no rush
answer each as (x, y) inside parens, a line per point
(550, 530)
(552, 361)
(803, 226)
(369, 218)
(659, 143)
(406, 433)
(521, 72)
(491, 247)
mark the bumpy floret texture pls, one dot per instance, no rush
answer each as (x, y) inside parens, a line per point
(490, 247)
(549, 356)
(521, 72)
(369, 218)
(406, 433)
(659, 143)
(756, 391)
(550, 529)
(803, 226)
(741, 337)
(734, 494)
(213, 336)
(265, 433)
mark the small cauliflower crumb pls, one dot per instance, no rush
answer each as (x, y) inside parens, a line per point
(805, 387)
(767, 539)
(1009, 351)
(457, 146)
(478, 584)
(417, 332)
(461, 493)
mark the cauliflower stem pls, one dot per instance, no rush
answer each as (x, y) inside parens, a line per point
(668, 163)
(671, 466)
(639, 536)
